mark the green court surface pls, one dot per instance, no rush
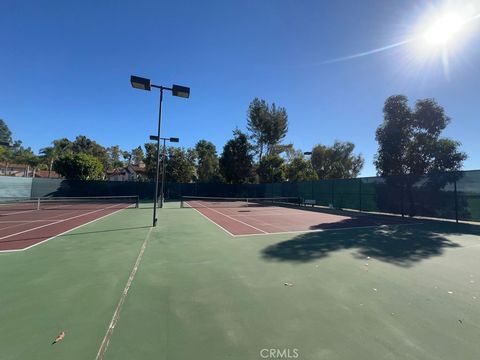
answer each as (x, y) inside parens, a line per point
(395, 292)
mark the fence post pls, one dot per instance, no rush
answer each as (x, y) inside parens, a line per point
(402, 193)
(456, 200)
(360, 195)
(333, 193)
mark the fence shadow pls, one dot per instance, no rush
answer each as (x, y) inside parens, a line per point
(399, 245)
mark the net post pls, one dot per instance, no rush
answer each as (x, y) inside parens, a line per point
(137, 202)
(38, 203)
(181, 201)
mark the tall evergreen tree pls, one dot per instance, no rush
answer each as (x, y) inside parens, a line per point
(207, 163)
(236, 161)
(268, 126)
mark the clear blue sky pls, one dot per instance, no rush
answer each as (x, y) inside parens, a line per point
(65, 70)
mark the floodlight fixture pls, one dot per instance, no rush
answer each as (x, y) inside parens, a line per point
(181, 91)
(140, 83)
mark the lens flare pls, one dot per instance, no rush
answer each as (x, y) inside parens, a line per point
(443, 29)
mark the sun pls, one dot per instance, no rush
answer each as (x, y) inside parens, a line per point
(443, 29)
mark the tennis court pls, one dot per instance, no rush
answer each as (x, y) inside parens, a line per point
(186, 289)
(263, 216)
(28, 222)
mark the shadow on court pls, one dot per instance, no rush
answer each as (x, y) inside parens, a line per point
(398, 245)
(361, 221)
(106, 231)
(78, 233)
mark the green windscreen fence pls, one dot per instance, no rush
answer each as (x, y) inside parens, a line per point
(65, 188)
(450, 195)
(18, 187)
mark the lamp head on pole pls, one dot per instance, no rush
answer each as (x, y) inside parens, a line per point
(140, 83)
(181, 91)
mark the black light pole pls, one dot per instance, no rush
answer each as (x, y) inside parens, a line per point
(172, 139)
(181, 91)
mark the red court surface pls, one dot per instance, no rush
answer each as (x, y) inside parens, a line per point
(263, 220)
(22, 228)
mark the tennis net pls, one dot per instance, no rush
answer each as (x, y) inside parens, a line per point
(234, 202)
(68, 203)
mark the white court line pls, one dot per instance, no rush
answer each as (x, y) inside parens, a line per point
(27, 211)
(62, 233)
(244, 223)
(221, 227)
(22, 221)
(56, 222)
(331, 229)
(47, 219)
(118, 309)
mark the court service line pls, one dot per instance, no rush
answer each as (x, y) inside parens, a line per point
(56, 222)
(116, 315)
(22, 222)
(62, 233)
(232, 218)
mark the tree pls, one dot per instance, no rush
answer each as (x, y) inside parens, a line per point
(137, 155)
(150, 159)
(5, 136)
(78, 167)
(409, 140)
(82, 144)
(180, 166)
(236, 161)
(207, 164)
(62, 146)
(114, 154)
(268, 126)
(48, 156)
(337, 161)
(26, 157)
(271, 169)
(127, 157)
(5, 133)
(300, 169)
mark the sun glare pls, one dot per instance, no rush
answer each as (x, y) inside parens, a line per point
(443, 29)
